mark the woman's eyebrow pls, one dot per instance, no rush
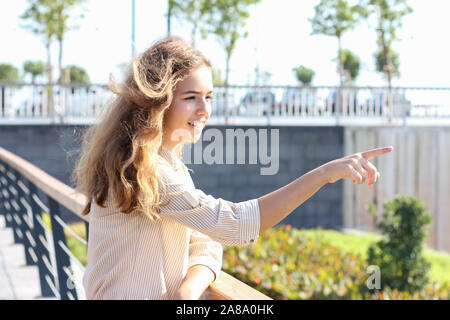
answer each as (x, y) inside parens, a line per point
(194, 92)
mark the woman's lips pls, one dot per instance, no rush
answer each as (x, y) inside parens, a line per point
(196, 125)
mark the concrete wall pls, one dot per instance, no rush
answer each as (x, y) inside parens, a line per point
(55, 148)
(419, 167)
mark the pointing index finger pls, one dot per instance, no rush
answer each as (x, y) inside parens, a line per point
(376, 152)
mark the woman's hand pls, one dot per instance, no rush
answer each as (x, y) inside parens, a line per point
(355, 166)
(197, 280)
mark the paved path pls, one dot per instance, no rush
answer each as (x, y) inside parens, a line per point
(17, 280)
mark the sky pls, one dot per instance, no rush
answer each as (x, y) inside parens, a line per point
(279, 40)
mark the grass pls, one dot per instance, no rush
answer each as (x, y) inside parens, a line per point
(352, 243)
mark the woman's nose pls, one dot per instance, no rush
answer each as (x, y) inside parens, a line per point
(204, 106)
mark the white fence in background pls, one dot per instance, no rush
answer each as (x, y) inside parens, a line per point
(266, 104)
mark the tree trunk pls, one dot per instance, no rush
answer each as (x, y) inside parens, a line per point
(169, 16)
(339, 100)
(50, 82)
(61, 72)
(388, 68)
(193, 34)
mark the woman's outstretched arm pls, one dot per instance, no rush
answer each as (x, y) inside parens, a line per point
(278, 204)
(275, 206)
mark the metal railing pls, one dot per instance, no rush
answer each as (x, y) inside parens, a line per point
(26, 194)
(85, 103)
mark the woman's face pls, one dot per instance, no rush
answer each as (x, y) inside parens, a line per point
(190, 109)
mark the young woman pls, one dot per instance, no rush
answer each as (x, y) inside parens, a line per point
(152, 234)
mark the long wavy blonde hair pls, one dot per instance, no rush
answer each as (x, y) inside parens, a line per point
(119, 154)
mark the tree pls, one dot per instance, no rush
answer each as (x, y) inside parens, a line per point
(382, 64)
(170, 6)
(389, 14)
(63, 10)
(399, 255)
(78, 75)
(34, 68)
(226, 21)
(49, 18)
(9, 73)
(304, 75)
(193, 12)
(42, 17)
(334, 18)
(351, 65)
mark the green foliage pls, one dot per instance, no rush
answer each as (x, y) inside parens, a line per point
(382, 64)
(226, 19)
(9, 73)
(194, 12)
(78, 249)
(400, 256)
(390, 14)
(41, 18)
(304, 75)
(78, 75)
(287, 263)
(351, 64)
(334, 17)
(49, 19)
(35, 68)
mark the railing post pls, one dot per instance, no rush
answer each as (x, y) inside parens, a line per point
(14, 210)
(25, 227)
(63, 264)
(2, 101)
(42, 243)
(3, 192)
(86, 224)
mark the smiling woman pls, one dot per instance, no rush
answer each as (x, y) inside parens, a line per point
(152, 234)
(191, 108)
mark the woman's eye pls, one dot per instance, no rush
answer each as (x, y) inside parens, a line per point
(210, 98)
(189, 98)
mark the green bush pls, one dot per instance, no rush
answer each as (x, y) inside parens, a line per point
(288, 263)
(400, 255)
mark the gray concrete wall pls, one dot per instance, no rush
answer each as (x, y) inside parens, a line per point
(418, 167)
(55, 148)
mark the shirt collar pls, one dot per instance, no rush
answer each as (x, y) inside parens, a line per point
(170, 157)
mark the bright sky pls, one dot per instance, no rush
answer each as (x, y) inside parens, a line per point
(279, 39)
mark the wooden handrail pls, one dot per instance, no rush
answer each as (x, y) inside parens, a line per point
(225, 287)
(62, 193)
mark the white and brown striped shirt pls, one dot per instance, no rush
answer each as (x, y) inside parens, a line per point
(132, 257)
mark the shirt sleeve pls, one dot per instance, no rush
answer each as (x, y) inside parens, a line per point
(203, 250)
(223, 221)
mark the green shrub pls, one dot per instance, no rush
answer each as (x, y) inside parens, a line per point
(288, 263)
(400, 255)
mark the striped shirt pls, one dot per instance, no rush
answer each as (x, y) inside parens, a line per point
(132, 257)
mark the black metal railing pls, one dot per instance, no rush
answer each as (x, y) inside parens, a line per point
(24, 208)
